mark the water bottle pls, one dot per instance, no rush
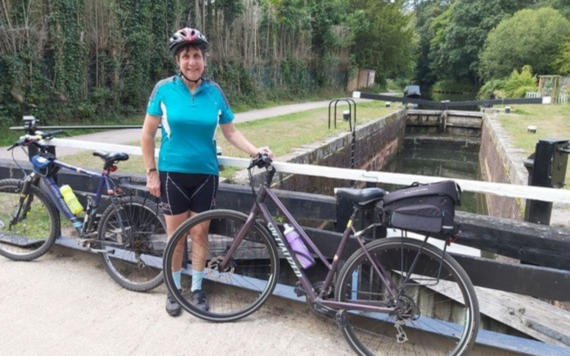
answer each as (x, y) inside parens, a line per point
(301, 251)
(70, 199)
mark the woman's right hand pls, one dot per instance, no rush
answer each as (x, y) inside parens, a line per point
(153, 184)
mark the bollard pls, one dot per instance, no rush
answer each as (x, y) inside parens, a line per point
(546, 168)
(531, 128)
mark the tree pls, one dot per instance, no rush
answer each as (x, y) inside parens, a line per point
(324, 14)
(530, 37)
(463, 30)
(426, 12)
(561, 5)
(382, 37)
(561, 63)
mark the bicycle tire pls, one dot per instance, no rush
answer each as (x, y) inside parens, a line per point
(133, 234)
(32, 236)
(438, 316)
(245, 285)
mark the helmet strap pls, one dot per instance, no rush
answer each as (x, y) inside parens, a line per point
(190, 80)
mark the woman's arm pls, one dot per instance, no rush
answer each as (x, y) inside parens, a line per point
(149, 129)
(237, 139)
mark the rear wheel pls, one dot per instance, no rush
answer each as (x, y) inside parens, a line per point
(133, 234)
(436, 309)
(29, 224)
(243, 285)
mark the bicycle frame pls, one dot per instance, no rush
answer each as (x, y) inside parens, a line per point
(48, 184)
(259, 207)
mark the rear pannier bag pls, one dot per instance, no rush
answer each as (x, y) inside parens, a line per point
(423, 207)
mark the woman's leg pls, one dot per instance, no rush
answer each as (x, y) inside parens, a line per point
(200, 246)
(172, 223)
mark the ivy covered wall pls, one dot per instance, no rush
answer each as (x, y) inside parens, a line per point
(81, 60)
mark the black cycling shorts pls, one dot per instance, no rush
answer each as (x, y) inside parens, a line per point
(182, 192)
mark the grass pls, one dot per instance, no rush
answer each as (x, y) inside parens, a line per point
(552, 121)
(282, 134)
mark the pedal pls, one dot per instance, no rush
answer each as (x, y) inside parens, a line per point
(299, 290)
(341, 319)
(96, 250)
(85, 242)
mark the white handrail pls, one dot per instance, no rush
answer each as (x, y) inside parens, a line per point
(500, 189)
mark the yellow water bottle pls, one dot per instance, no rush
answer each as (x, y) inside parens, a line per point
(70, 199)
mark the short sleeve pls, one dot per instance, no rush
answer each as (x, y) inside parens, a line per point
(227, 115)
(153, 107)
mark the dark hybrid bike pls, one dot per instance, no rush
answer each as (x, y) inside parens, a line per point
(130, 234)
(393, 296)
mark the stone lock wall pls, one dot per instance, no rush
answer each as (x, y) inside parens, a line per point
(500, 163)
(376, 143)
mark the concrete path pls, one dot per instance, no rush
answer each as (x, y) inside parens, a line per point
(64, 303)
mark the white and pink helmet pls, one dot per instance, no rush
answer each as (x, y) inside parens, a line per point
(187, 36)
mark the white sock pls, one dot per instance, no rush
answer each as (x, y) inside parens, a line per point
(197, 280)
(177, 275)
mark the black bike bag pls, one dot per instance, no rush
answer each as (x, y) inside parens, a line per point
(423, 207)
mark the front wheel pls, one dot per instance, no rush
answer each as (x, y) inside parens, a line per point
(29, 223)
(204, 241)
(132, 234)
(435, 306)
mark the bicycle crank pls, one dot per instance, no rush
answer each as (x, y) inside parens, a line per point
(316, 307)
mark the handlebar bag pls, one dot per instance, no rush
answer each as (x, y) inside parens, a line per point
(423, 207)
(43, 165)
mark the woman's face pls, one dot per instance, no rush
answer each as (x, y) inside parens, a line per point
(191, 62)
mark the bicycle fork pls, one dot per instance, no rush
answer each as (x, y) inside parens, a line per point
(24, 203)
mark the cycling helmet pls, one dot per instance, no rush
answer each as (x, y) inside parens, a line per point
(187, 36)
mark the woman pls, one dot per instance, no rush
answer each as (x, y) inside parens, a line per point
(189, 108)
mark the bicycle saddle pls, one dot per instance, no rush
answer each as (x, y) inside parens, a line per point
(112, 156)
(363, 196)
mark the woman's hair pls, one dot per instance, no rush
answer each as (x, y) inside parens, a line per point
(188, 37)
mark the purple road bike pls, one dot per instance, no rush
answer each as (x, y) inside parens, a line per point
(393, 296)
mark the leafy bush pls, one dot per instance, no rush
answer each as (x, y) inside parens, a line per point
(515, 86)
(519, 83)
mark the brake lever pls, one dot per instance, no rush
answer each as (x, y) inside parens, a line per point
(20, 142)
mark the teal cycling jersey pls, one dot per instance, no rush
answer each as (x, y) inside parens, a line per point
(189, 124)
